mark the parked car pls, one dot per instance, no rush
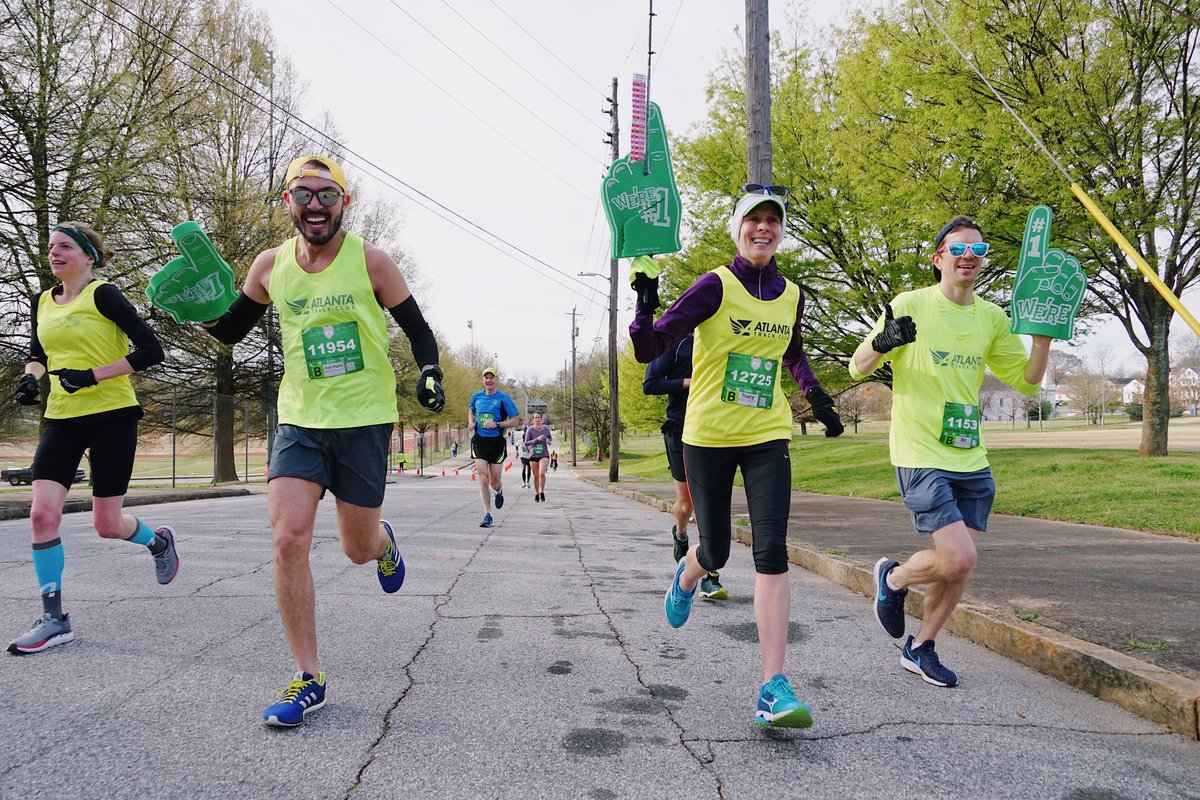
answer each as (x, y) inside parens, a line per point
(24, 475)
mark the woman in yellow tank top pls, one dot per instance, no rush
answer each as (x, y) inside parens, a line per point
(746, 317)
(80, 334)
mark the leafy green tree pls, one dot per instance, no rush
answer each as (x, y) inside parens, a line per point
(639, 411)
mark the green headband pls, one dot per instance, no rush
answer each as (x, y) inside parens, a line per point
(82, 240)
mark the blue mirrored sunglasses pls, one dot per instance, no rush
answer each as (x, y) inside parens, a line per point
(772, 189)
(978, 249)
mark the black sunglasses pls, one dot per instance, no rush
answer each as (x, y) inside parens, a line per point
(769, 189)
(326, 197)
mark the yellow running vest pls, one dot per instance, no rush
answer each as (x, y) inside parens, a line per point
(336, 372)
(735, 398)
(77, 336)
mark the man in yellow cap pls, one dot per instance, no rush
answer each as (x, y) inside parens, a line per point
(337, 400)
(488, 412)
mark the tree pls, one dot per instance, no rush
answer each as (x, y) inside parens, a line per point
(639, 411)
(591, 400)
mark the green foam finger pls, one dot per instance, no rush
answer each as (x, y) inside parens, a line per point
(641, 202)
(197, 286)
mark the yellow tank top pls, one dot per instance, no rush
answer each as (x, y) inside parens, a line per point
(735, 398)
(76, 335)
(336, 371)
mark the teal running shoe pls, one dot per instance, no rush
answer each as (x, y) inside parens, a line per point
(390, 566)
(302, 696)
(778, 706)
(680, 545)
(711, 588)
(678, 603)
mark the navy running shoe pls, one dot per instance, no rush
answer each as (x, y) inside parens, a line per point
(389, 567)
(302, 696)
(711, 588)
(779, 707)
(677, 602)
(166, 563)
(499, 500)
(487, 521)
(924, 661)
(889, 603)
(680, 545)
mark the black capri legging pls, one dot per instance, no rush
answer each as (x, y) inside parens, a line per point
(767, 475)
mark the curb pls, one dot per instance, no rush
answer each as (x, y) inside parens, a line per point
(20, 510)
(1147, 690)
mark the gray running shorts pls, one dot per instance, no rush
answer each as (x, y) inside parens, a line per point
(350, 462)
(937, 497)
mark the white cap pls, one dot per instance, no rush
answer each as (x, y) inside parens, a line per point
(748, 203)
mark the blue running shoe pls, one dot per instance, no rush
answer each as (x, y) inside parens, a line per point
(499, 500)
(924, 661)
(487, 521)
(302, 696)
(678, 603)
(390, 566)
(166, 563)
(889, 604)
(779, 707)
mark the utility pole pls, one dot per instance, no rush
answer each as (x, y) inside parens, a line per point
(614, 416)
(574, 334)
(269, 321)
(758, 92)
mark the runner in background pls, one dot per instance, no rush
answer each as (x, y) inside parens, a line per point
(489, 412)
(671, 374)
(538, 438)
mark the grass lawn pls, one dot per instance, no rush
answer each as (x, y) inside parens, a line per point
(1116, 488)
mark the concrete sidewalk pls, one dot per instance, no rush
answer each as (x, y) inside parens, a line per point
(1113, 612)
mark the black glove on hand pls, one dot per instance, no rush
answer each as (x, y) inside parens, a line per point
(75, 379)
(647, 293)
(823, 410)
(27, 390)
(429, 389)
(895, 333)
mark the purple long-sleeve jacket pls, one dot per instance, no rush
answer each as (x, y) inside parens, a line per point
(702, 299)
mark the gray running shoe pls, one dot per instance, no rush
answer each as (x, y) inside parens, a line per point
(166, 563)
(45, 633)
(680, 545)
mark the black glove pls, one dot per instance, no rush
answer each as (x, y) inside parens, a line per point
(647, 293)
(895, 333)
(75, 379)
(429, 389)
(27, 390)
(823, 410)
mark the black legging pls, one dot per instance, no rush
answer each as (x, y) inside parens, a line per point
(526, 470)
(767, 475)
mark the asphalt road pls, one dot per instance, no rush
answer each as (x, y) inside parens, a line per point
(530, 660)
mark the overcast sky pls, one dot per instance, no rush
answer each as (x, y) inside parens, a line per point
(496, 115)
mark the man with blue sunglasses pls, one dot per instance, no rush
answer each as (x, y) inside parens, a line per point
(939, 340)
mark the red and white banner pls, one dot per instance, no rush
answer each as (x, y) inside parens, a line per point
(637, 132)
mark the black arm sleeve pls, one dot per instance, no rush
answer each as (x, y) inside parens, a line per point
(420, 337)
(36, 351)
(238, 319)
(115, 306)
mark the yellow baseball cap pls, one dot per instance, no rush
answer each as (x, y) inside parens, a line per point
(332, 171)
(491, 371)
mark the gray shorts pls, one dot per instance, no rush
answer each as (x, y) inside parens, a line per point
(937, 497)
(350, 462)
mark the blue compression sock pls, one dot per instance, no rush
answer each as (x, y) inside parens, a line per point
(143, 535)
(48, 562)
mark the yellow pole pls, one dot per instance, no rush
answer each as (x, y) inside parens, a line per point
(1142, 266)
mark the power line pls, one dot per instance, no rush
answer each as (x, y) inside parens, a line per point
(478, 72)
(466, 108)
(360, 159)
(547, 49)
(521, 66)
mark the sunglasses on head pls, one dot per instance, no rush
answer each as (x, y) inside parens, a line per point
(978, 249)
(769, 189)
(326, 197)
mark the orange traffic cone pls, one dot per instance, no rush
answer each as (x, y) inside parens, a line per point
(456, 473)
(443, 473)
(472, 476)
